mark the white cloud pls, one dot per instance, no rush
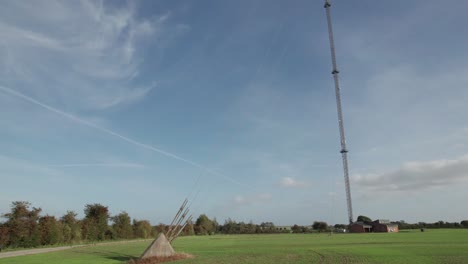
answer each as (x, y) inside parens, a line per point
(417, 176)
(290, 182)
(121, 97)
(86, 55)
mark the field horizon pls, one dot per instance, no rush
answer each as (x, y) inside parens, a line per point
(408, 246)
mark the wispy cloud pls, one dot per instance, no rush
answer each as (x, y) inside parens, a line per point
(289, 182)
(83, 54)
(417, 175)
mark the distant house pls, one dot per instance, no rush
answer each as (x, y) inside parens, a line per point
(375, 226)
(384, 226)
(360, 227)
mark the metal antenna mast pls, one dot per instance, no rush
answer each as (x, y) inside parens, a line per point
(343, 151)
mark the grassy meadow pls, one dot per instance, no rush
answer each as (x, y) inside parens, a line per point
(432, 246)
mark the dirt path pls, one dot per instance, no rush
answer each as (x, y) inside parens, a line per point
(45, 250)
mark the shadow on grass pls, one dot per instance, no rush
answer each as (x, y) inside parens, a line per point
(113, 255)
(412, 231)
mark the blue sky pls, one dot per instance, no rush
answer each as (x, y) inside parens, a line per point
(137, 105)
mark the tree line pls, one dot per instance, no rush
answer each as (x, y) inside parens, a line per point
(402, 224)
(206, 226)
(439, 224)
(25, 227)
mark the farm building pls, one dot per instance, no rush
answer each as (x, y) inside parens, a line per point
(384, 226)
(360, 227)
(376, 226)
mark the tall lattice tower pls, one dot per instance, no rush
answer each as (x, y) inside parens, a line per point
(343, 150)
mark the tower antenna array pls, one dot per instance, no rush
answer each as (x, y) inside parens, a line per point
(343, 151)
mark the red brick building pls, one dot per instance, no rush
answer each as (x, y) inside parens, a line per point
(360, 227)
(384, 226)
(375, 226)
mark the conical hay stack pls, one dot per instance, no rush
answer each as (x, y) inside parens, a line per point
(160, 247)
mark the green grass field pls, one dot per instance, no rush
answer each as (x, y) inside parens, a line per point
(432, 246)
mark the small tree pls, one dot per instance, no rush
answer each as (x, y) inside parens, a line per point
(204, 226)
(142, 228)
(268, 227)
(22, 224)
(51, 232)
(71, 227)
(229, 227)
(4, 236)
(320, 226)
(464, 223)
(363, 218)
(340, 226)
(162, 228)
(96, 221)
(122, 226)
(296, 229)
(188, 230)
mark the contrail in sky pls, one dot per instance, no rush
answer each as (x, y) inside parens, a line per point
(121, 165)
(115, 134)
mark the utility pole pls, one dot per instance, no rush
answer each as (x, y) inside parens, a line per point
(343, 150)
